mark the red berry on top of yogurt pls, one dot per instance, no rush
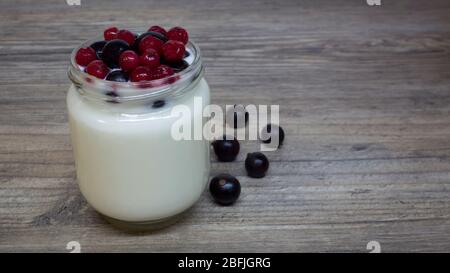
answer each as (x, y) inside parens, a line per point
(178, 34)
(150, 58)
(85, 55)
(158, 29)
(173, 51)
(128, 60)
(97, 69)
(150, 42)
(127, 36)
(141, 73)
(110, 33)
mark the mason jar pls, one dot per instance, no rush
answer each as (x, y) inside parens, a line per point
(129, 166)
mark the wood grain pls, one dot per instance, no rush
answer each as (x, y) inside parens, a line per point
(364, 94)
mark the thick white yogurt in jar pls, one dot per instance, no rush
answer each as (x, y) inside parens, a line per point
(128, 165)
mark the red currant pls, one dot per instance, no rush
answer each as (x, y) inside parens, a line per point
(163, 71)
(150, 42)
(110, 33)
(140, 73)
(173, 51)
(158, 29)
(149, 58)
(128, 60)
(85, 55)
(127, 36)
(178, 34)
(97, 69)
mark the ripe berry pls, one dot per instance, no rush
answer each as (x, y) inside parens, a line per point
(150, 42)
(162, 71)
(158, 103)
(225, 189)
(97, 69)
(140, 73)
(149, 58)
(117, 76)
(98, 47)
(112, 51)
(256, 165)
(85, 55)
(178, 34)
(128, 60)
(158, 29)
(226, 150)
(110, 33)
(127, 36)
(173, 51)
(273, 132)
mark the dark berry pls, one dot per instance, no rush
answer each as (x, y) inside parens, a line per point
(97, 69)
(256, 165)
(158, 104)
(226, 150)
(128, 60)
(178, 34)
(150, 42)
(162, 71)
(149, 58)
(225, 189)
(239, 115)
(140, 73)
(114, 95)
(110, 33)
(178, 66)
(272, 131)
(158, 29)
(112, 51)
(173, 51)
(117, 76)
(187, 54)
(127, 36)
(98, 47)
(85, 56)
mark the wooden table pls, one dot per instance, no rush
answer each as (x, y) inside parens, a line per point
(364, 93)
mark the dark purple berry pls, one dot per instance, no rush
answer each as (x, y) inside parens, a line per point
(256, 165)
(226, 150)
(112, 50)
(275, 131)
(225, 189)
(158, 104)
(117, 76)
(98, 48)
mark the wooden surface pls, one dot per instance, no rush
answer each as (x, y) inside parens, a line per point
(364, 94)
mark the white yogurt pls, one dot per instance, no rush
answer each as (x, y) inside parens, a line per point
(128, 166)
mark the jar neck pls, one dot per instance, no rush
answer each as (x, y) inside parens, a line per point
(174, 86)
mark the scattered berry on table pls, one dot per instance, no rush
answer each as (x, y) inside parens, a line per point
(225, 189)
(272, 130)
(256, 164)
(226, 150)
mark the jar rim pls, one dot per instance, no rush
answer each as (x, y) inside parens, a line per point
(126, 91)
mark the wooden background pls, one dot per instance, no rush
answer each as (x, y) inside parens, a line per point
(364, 94)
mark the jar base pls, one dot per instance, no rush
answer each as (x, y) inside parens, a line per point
(144, 226)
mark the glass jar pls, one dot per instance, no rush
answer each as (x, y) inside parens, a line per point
(128, 165)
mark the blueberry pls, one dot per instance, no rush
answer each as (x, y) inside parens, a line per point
(179, 66)
(273, 130)
(226, 150)
(239, 113)
(256, 165)
(117, 76)
(225, 189)
(158, 35)
(98, 47)
(112, 51)
(158, 104)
